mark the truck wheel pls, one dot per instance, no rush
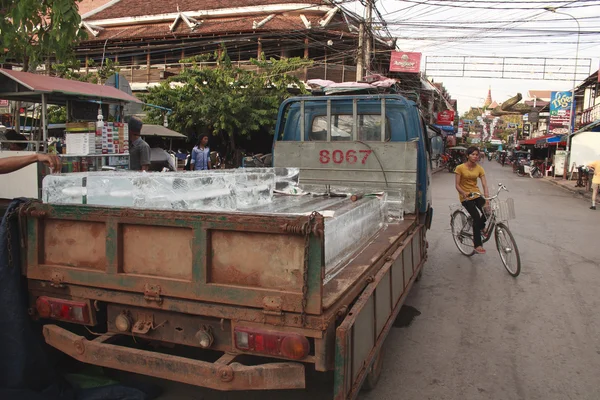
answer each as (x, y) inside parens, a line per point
(375, 372)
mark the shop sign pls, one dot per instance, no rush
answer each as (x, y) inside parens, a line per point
(445, 117)
(401, 61)
(526, 130)
(560, 113)
(3, 103)
(459, 133)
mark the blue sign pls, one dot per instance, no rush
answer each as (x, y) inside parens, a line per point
(560, 113)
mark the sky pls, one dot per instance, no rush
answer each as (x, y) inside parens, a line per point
(521, 30)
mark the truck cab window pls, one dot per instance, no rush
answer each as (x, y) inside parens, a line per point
(368, 128)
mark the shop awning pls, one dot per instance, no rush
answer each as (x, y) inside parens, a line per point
(446, 128)
(534, 141)
(594, 127)
(28, 87)
(161, 131)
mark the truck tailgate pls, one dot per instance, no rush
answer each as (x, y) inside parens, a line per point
(238, 259)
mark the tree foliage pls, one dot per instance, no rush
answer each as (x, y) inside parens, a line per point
(33, 30)
(225, 100)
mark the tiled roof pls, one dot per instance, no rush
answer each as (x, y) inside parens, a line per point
(287, 24)
(540, 94)
(86, 6)
(136, 8)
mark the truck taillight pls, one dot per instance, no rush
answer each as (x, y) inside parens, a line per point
(288, 345)
(65, 310)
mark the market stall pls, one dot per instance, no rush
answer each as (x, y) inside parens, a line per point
(83, 102)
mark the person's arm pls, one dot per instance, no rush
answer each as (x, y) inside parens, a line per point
(486, 191)
(11, 164)
(145, 158)
(458, 188)
(193, 156)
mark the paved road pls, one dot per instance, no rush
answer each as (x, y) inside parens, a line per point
(482, 334)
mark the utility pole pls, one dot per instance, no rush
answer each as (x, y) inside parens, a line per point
(368, 35)
(360, 58)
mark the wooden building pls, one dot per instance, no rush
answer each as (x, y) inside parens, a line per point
(148, 38)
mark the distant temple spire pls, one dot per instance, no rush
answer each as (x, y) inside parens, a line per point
(488, 99)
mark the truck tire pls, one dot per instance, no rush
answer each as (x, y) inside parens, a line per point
(374, 372)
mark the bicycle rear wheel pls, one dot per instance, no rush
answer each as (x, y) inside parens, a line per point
(463, 238)
(508, 250)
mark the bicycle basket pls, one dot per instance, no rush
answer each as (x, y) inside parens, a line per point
(504, 209)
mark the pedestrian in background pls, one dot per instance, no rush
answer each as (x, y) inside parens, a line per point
(595, 165)
(139, 152)
(201, 155)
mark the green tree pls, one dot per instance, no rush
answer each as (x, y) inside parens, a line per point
(225, 101)
(32, 31)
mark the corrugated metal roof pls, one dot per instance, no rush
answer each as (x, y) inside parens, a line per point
(17, 85)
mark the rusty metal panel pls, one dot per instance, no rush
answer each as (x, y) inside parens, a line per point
(407, 261)
(374, 165)
(363, 336)
(161, 251)
(360, 325)
(257, 260)
(416, 252)
(398, 278)
(78, 244)
(164, 254)
(383, 301)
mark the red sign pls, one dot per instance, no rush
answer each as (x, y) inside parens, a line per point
(338, 156)
(3, 103)
(445, 117)
(405, 62)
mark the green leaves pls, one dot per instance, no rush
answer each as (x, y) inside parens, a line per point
(225, 99)
(33, 30)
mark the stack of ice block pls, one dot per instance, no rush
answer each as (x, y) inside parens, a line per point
(198, 190)
(347, 231)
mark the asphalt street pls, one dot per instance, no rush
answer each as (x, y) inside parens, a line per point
(482, 334)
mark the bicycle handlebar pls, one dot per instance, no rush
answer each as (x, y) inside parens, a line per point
(501, 187)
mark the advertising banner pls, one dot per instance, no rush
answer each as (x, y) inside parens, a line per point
(560, 113)
(445, 117)
(402, 61)
(459, 133)
(3, 103)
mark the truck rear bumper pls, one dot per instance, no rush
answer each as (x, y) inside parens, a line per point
(223, 374)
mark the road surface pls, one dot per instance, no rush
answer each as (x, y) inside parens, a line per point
(482, 334)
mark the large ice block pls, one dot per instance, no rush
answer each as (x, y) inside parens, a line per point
(198, 190)
(350, 229)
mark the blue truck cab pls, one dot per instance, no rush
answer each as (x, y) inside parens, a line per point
(371, 141)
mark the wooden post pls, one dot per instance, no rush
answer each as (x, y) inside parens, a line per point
(325, 64)
(132, 65)
(87, 65)
(148, 65)
(361, 53)
(259, 52)
(305, 57)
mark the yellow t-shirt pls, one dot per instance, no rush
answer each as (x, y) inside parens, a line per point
(468, 179)
(596, 166)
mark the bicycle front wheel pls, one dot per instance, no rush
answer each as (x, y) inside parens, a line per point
(463, 238)
(508, 250)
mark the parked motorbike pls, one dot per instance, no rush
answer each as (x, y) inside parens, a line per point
(533, 170)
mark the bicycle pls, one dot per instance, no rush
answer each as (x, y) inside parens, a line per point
(461, 224)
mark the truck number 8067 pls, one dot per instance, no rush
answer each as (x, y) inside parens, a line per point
(338, 156)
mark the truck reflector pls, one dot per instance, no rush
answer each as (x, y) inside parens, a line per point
(288, 345)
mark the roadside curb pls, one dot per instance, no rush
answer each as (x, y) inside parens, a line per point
(579, 191)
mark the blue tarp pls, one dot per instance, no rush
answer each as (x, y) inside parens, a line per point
(27, 372)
